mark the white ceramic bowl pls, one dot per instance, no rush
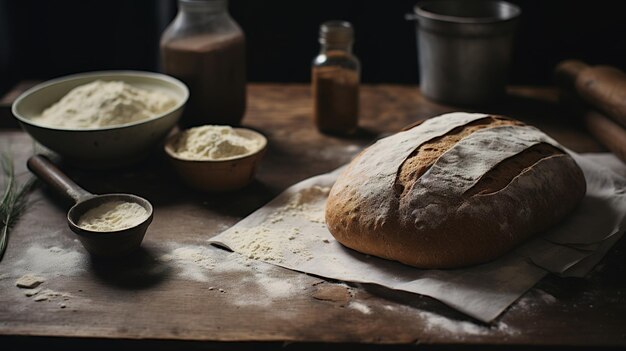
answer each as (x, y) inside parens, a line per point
(103, 147)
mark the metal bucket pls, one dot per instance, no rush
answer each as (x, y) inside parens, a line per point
(464, 49)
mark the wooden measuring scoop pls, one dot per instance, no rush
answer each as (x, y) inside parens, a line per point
(99, 243)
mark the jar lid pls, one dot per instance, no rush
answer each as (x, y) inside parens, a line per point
(204, 4)
(336, 32)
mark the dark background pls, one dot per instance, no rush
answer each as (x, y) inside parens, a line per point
(45, 39)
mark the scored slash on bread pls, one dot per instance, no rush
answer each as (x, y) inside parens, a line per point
(456, 190)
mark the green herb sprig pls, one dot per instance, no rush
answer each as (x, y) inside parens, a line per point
(14, 199)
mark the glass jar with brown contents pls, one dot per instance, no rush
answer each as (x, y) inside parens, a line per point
(335, 80)
(205, 48)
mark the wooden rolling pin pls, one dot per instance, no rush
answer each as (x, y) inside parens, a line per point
(602, 87)
(607, 132)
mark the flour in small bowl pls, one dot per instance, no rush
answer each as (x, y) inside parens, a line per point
(104, 104)
(213, 142)
(113, 216)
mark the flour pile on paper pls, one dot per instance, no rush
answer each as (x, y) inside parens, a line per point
(277, 239)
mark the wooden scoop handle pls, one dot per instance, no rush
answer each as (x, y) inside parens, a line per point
(51, 175)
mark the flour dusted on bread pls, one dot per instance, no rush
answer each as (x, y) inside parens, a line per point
(459, 189)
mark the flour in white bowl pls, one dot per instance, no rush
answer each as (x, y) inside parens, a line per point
(103, 104)
(112, 216)
(213, 142)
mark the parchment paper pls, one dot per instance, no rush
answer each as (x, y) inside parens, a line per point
(290, 232)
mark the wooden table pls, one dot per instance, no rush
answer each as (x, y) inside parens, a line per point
(141, 302)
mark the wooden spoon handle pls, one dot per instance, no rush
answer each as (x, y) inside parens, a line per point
(49, 173)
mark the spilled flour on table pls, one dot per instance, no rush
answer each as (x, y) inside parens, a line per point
(40, 294)
(191, 261)
(50, 295)
(361, 307)
(435, 322)
(61, 299)
(266, 241)
(51, 261)
(39, 265)
(29, 281)
(457, 329)
(255, 285)
(258, 284)
(32, 292)
(532, 300)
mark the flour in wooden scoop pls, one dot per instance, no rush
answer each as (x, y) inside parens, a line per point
(113, 216)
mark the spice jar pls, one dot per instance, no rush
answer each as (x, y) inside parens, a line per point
(205, 48)
(335, 80)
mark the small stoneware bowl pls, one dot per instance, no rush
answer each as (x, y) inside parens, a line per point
(218, 175)
(102, 147)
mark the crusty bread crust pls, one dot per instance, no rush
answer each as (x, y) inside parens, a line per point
(521, 196)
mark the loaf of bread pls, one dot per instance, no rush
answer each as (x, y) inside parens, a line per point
(457, 190)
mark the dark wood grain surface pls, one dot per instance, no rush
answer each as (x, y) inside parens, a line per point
(144, 302)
